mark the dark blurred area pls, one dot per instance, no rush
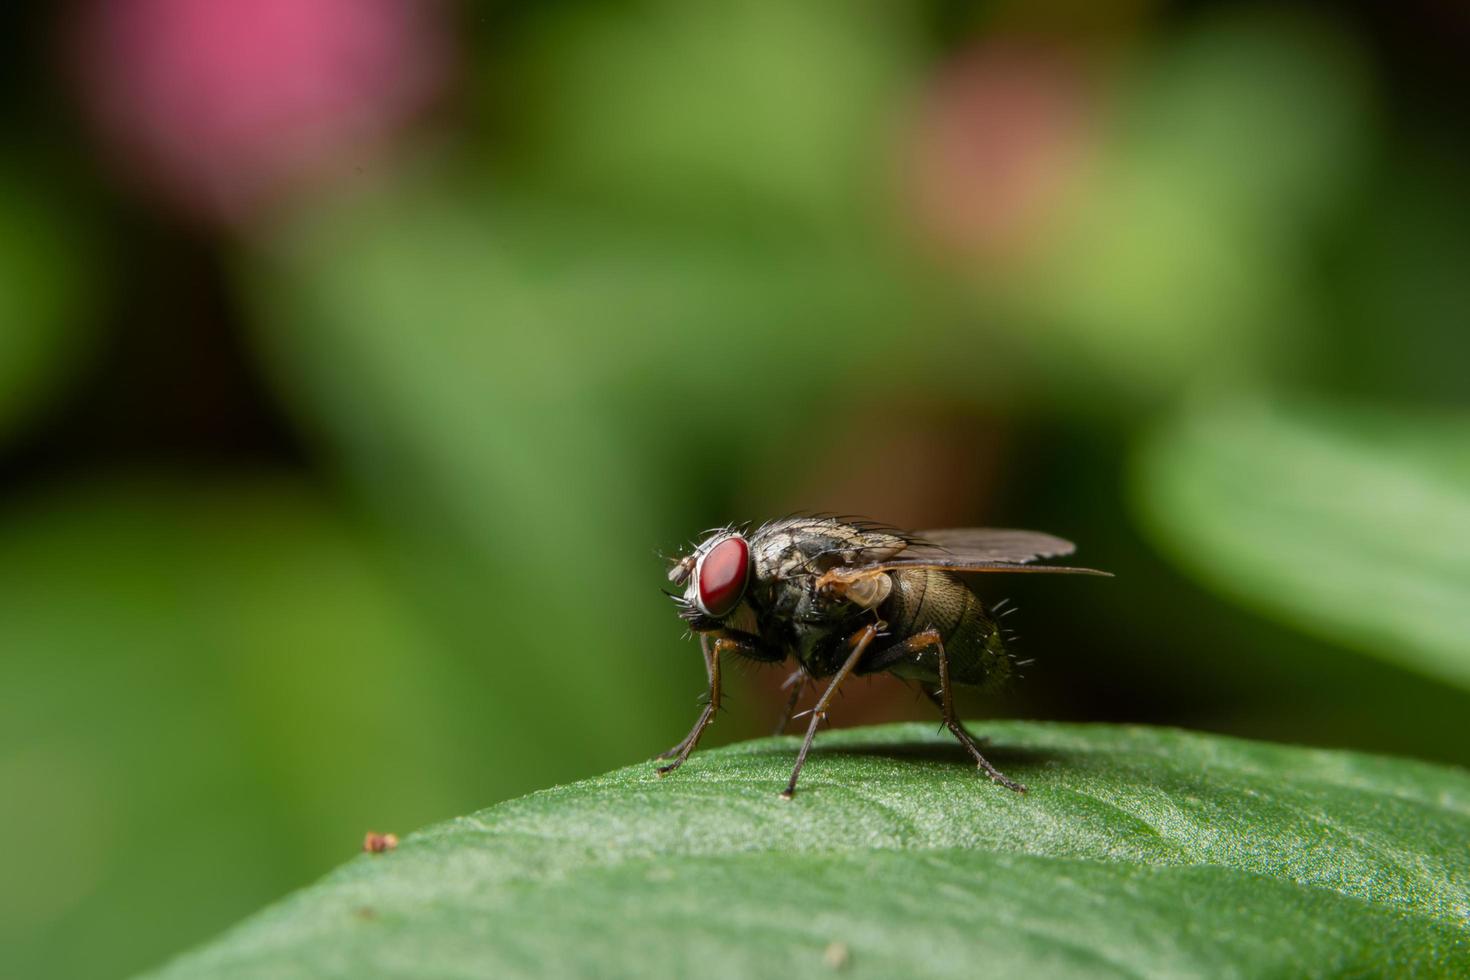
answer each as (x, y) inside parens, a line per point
(358, 359)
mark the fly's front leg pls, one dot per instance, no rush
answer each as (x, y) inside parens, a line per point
(945, 700)
(709, 673)
(712, 652)
(681, 751)
(859, 642)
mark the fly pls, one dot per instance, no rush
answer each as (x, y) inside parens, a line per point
(846, 597)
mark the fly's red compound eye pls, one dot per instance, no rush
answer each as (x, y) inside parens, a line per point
(722, 574)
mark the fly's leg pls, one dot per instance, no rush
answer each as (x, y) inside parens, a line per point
(945, 701)
(903, 650)
(938, 701)
(797, 683)
(681, 751)
(746, 644)
(859, 642)
(709, 672)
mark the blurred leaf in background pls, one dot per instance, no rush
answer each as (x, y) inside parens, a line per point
(1345, 521)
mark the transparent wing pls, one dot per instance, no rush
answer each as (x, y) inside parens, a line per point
(976, 549)
(965, 566)
(988, 544)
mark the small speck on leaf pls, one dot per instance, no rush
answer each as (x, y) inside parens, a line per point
(376, 843)
(836, 955)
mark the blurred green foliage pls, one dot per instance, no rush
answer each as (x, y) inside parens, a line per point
(202, 677)
(46, 287)
(345, 517)
(1189, 255)
(763, 107)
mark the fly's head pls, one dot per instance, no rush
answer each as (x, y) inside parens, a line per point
(715, 578)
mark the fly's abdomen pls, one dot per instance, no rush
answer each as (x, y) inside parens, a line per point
(929, 597)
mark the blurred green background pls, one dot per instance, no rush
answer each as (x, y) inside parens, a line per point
(358, 358)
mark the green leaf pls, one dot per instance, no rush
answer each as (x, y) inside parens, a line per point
(1137, 851)
(1348, 523)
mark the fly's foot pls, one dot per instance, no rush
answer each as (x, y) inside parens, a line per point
(972, 745)
(999, 777)
(983, 764)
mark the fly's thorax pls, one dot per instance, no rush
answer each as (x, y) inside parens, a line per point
(803, 545)
(789, 556)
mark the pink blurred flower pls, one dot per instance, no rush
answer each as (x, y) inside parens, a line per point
(222, 105)
(1000, 132)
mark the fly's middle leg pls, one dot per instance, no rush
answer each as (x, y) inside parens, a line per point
(797, 683)
(859, 642)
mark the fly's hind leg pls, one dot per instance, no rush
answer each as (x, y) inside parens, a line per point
(936, 699)
(944, 700)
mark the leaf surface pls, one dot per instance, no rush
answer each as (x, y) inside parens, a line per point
(1137, 852)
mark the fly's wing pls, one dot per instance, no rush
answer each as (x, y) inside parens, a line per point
(989, 544)
(974, 549)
